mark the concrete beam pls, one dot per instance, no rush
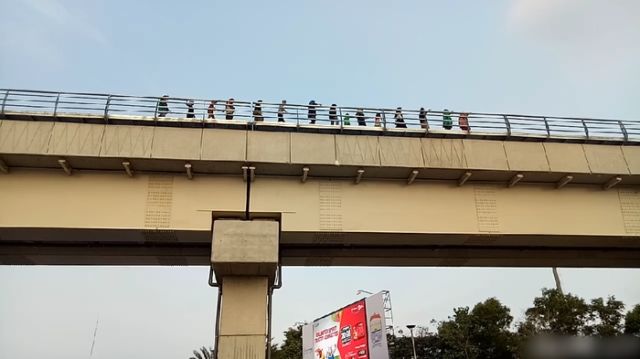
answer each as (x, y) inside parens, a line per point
(464, 178)
(412, 176)
(612, 182)
(515, 179)
(127, 168)
(359, 174)
(65, 166)
(564, 181)
(245, 248)
(222, 151)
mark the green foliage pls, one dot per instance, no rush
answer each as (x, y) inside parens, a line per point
(291, 348)
(632, 321)
(605, 318)
(203, 353)
(428, 345)
(556, 313)
(482, 332)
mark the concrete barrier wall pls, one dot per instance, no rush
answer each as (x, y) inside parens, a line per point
(192, 144)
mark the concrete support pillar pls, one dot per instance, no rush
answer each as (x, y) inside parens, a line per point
(243, 317)
(245, 261)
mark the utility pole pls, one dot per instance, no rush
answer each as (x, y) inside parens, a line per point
(95, 331)
(557, 279)
(413, 342)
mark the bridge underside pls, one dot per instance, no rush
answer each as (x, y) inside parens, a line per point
(170, 254)
(107, 218)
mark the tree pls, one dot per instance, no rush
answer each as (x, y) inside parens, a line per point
(482, 332)
(275, 352)
(428, 345)
(556, 313)
(605, 318)
(204, 353)
(490, 329)
(455, 334)
(291, 348)
(632, 321)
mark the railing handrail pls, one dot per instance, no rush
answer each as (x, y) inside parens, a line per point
(506, 123)
(322, 106)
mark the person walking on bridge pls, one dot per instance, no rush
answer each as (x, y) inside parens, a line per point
(463, 121)
(257, 112)
(399, 118)
(190, 111)
(333, 114)
(163, 106)
(312, 112)
(282, 110)
(360, 117)
(377, 122)
(422, 116)
(211, 111)
(447, 121)
(346, 120)
(229, 109)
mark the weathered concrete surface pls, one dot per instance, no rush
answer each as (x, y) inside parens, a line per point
(485, 155)
(25, 137)
(76, 139)
(176, 143)
(127, 141)
(605, 159)
(224, 145)
(526, 156)
(245, 248)
(443, 153)
(310, 149)
(225, 151)
(166, 219)
(271, 147)
(566, 158)
(243, 318)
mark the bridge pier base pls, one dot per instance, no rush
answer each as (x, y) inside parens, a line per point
(244, 259)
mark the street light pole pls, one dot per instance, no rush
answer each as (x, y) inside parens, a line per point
(360, 291)
(413, 342)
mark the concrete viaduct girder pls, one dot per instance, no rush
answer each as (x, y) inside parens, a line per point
(99, 217)
(79, 193)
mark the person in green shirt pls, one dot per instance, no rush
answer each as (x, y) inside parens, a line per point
(346, 120)
(447, 121)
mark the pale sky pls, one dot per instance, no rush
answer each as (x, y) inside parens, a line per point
(557, 57)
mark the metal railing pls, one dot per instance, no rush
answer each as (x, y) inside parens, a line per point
(168, 110)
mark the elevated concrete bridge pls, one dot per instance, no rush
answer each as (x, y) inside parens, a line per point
(80, 192)
(249, 197)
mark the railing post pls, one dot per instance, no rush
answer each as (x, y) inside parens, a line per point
(508, 124)
(586, 129)
(341, 122)
(546, 126)
(55, 107)
(297, 117)
(426, 122)
(384, 121)
(624, 131)
(106, 109)
(4, 101)
(155, 112)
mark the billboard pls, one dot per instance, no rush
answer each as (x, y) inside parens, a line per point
(376, 327)
(356, 331)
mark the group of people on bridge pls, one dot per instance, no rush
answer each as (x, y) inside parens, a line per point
(162, 110)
